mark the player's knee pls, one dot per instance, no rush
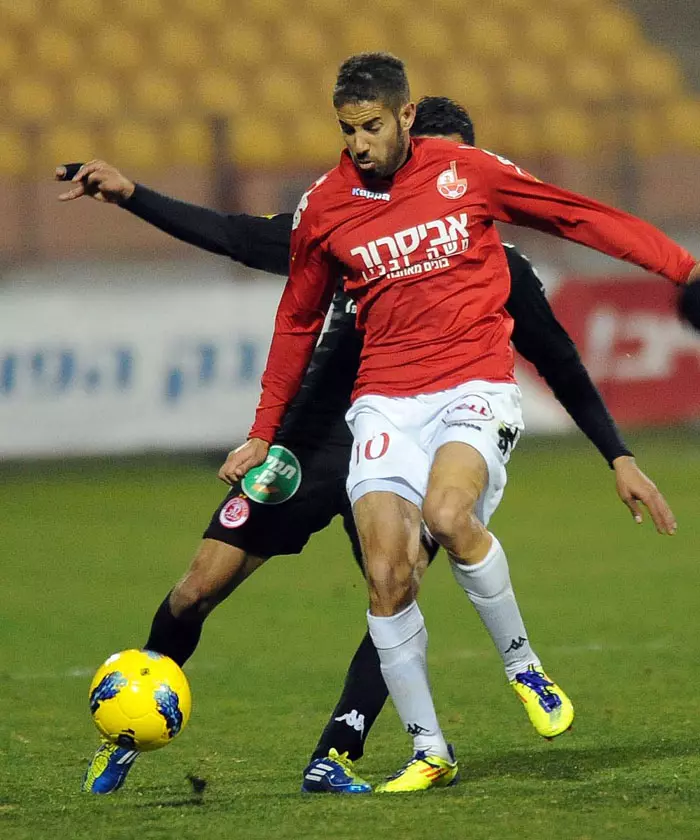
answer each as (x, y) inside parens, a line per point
(448, 514)
(391, 586)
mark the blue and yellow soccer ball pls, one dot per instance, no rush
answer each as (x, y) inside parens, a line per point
(140, 699)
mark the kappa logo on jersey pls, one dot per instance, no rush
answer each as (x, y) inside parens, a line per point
(374, 196)
(275, 481)
(393, 255)
(449, 185)
(235, 512)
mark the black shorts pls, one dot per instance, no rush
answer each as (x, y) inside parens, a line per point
(263, 519)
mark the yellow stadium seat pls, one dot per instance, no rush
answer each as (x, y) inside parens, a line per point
(137, 147)
(9, 54)
(32, 99)
(84, 13)
(61, 143)
(487, 35)
(95, 96)
(527, 82)
(425, 37)
(520, 132)
(218, 92)
(117, 48)
(589, 79)
(644, 132)
(653, 75)
(20, 13)
(611, 30)
(682, 120)
(281, 91)
(190, 143)
(334, 10)
(259, 140)
(265, 11)
(56, 50)
(470, 85)
(212, 11)
(154, 93)
(181, 46)
(546, 35)
(14, 153)
(141, 11)
(302, 42)
(362, 34)
(243, 45)
(567, 130)
(316, 140)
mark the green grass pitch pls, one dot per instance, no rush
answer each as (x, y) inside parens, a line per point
(90, 548)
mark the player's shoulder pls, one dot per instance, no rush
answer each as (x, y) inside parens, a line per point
(315, 201)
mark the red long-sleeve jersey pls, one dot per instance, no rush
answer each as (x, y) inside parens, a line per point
(421, 257)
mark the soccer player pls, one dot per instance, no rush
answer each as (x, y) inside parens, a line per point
(317, 423)
(435, 412)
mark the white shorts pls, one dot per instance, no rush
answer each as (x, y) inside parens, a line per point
(395, 438)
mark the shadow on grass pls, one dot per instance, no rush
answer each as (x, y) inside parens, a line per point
(574, 763)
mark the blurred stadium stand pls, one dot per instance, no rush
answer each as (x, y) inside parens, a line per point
(590, 93)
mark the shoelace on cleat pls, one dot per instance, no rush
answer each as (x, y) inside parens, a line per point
(549, 699)
(419, 755)
(345, 762)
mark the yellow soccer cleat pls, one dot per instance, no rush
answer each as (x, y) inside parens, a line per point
(549, 709)
(422, 772)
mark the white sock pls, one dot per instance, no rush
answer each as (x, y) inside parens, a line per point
(401, 641)
(488, 587)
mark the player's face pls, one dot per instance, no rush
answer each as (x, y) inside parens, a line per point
(376, 138)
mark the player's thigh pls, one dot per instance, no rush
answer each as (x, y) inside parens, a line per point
(386, 455)
(486, 419)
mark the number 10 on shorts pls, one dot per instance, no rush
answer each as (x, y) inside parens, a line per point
(372, 449)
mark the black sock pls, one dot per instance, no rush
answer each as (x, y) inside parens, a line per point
(175, 637)
(363, 698)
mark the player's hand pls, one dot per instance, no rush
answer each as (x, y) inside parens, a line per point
(634, 487)
(239, 461)
(695, 273)
(98, 180)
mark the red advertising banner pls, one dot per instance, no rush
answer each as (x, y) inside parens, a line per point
(645, 362)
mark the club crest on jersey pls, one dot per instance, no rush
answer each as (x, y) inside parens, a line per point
(449, 185)
(235, 512)
(360, 192)
(275, 481)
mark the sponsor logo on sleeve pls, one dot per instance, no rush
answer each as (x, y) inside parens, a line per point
(275, 481)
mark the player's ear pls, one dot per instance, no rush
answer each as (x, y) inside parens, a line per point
(407, 116)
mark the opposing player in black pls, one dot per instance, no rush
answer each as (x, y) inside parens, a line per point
(301, 487)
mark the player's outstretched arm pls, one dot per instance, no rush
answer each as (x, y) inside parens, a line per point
(542, 340)
(256, 241)
(521, 199)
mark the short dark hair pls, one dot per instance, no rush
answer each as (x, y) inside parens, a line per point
(372, 77)
(438, 115)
